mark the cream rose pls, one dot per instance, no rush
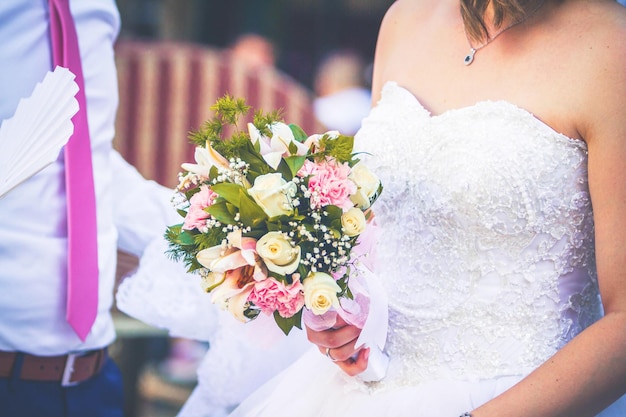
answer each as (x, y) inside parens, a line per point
(273, 194)
(320, 292)
(353, 222)
(367, 185)
(278, 253)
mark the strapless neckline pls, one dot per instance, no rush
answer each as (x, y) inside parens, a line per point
(503, 105)
(486, 237)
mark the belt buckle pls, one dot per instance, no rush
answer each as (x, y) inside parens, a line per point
(66, 381)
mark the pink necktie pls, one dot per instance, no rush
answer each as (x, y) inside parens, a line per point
(82, 280)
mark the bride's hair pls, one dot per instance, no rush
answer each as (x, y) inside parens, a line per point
(473, 12)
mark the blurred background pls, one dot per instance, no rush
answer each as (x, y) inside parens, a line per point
(303, 31)
(311, 58)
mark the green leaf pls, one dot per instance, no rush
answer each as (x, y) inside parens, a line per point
(285, 170)
(334, 212)
(286, 324)
(303, 271)
(256, 146)
(222, 211)
(190, 193)
(274, 224)
(251, 214)
(213, 172)
(279, 277)
(294, 163)
(176, 235)
(229, 191)
(256, 233)
(298, 133)
(255, 161)
(251, 312)
(293, 149)
(185, 238)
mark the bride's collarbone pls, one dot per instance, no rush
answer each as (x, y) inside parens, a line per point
(534, 85)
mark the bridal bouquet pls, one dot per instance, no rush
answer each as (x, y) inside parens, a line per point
(272, 217)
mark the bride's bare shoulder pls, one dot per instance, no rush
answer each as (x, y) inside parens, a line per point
(408, 13)
(596, 45)
(404, 19)
(595, 34)
(593, 19)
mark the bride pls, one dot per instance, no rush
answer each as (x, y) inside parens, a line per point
(497, 127)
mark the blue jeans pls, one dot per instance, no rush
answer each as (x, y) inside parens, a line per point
(100, 396)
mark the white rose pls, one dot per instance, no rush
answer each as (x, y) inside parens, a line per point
(278, 253)
(353, 222)
(273, 194)
(367, 185)
(320, 292)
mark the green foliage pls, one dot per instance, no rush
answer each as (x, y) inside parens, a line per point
(286, 324)
(251, 214)
(317, 232)
(228, 114)
(210, 131)
(179, 239)
(231, 148)
(262, 120)
(256, 164)
(298, 133)
(229, 192)
(339, 148)
(228, 109)
(181, 246)
(223, 211)
(294, 163)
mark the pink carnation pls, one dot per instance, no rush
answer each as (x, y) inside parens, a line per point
(196, 215)
(307, 169)
(329, 184)
(271, 295)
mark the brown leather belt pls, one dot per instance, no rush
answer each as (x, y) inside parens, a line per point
(68, 370)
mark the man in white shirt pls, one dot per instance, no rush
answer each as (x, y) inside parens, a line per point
(36, 343)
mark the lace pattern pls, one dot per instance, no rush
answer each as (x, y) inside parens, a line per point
(487, 238)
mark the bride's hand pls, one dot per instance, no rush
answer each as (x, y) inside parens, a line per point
(338, 344)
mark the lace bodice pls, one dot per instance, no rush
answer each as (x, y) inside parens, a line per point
(487, 245)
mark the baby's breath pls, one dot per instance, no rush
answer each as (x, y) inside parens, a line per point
(298, 210)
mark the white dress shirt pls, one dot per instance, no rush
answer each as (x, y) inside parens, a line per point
(33, 235)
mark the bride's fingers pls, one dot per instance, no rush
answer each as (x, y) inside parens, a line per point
(339, 322)
(334, 338)
(339, 354)
(355, 365)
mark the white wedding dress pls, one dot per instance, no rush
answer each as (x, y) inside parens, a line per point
(487, 254)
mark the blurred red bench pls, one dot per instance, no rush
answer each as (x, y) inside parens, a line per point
(166, 90)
